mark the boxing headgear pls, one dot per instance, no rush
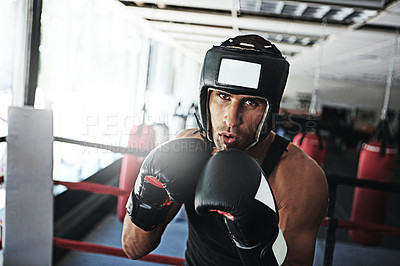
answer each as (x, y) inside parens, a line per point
(248, 65)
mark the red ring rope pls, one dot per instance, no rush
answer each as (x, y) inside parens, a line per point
(110, 190)
(376, 228)
(100, 249)
(93, 187)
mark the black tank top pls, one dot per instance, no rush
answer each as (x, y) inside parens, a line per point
(208, 241)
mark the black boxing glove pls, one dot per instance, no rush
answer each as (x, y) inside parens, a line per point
(168, 174)
(233, 184)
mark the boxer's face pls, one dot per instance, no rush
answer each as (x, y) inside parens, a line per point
(234, 119)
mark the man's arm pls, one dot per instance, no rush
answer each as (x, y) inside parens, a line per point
(302, 199)
(167, 178)
(300, 241)
(137, 242)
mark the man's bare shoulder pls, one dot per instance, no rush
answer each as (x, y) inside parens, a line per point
(295, 159)
(298, 177)
(188, 133)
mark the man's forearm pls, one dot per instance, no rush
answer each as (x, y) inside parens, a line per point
(137, 242)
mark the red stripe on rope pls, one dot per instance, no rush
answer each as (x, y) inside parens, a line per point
(93, 187)
(87, 247)
(100, 249)
(375, 228)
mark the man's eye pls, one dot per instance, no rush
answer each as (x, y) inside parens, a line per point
(250, 103)
(224, 96)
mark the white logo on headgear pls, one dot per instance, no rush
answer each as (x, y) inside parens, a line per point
(239, 73)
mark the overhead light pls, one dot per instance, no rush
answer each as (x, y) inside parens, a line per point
(292, 39)
(370, 13)
(300, 9)
(315, 11)
(305, 41)
(279, 38)
(321, 12)
(279, 7)
(366, 14)
(343, 13)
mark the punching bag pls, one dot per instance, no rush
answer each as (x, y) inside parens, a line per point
(377, 161)
(312, 144)
(369, 205)
(142, 137)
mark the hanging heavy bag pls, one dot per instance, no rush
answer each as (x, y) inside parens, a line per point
(142, 137)
(312, 144)
(377, 161)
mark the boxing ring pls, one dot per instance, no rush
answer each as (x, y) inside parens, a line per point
(40, 136)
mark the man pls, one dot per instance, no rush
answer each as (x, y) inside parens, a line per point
(241, 87)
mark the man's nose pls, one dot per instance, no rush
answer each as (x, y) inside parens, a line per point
(233, 114)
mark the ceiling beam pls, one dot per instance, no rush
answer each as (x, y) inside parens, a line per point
(193, 29)
(197, 38)
(352, 3)
(224, 5)
(153, 33)
(209, 36)
(267, 24)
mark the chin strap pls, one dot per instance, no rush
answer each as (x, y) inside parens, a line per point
(201, 130)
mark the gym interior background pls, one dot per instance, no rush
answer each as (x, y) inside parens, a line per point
(98, 63)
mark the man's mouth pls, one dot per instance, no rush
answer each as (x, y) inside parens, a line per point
(229, 139)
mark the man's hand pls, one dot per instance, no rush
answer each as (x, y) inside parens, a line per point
(233, 184)
(168, 175)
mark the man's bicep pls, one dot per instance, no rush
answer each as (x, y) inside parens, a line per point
(300, 225)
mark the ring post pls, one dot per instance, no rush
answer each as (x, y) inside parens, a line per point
(28, 229)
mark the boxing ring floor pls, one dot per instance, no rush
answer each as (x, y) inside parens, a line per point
(108, 232)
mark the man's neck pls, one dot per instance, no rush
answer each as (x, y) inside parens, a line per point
(260, 150)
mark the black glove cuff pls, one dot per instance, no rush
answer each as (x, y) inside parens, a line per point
(145, 216)
(253, 252)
